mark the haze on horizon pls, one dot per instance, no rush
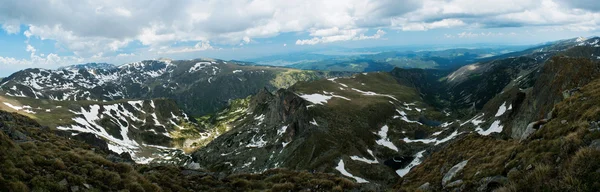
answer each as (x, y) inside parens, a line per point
(48, 34)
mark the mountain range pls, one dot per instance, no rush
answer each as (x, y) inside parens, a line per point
(464, 120)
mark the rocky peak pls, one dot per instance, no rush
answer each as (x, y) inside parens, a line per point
(559, 75)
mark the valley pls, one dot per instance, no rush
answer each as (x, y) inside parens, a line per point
(478, 124)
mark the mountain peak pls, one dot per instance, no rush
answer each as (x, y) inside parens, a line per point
(88, 66)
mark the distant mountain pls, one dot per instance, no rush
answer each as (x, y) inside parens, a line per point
(385, 60)
(88, 66)
(199, 86)
(291, 59)
(146, 109)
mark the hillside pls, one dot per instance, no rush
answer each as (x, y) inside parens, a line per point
(34, 158)
(198, 86)
(518, 122)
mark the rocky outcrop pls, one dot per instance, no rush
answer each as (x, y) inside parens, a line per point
(453, 172)
(271, 123)
(559, 78)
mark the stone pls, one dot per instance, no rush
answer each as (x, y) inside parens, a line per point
(454, 184)
(531, 128)
(453, 172)
(529, 167)
(63, 182)
(87, 185)
(563, 121)
(425, 187)
(594, 126)
(491, 183)
(595, 144)
(193, 165)
(74, 188)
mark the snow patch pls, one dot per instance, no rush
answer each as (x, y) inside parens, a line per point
(494, 128)
(502, 109)
(370, 93)
(314, 122)
(416, 161)
(316, 98)
(257, 143)
(340, 167)
(362, 159)
(385, 141)
(282, 130)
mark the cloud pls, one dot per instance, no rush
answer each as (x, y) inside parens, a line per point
(126, 55)
(200, 46)
(423, 26)
(470, 34)
(591, 5)
(335, 35)
(11, 28)
(87, 28)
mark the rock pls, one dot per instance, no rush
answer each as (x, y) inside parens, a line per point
(594, 126)
(531, 128)
(193, 166)
(74, 188)
(529, 167)
(571, 92)
(454, 184)
(491, 183)
(595, 144)
(453, 172)
(63, 183)
(92, 140)
(563, 121)
(87, 185)
(425, 187)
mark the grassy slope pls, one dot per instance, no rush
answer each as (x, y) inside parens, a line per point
(350, 125)
(557, 157)
(47, 162)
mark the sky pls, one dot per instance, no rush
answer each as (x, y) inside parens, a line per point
(52, 33)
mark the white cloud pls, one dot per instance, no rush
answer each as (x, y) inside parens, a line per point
(126, 55)
(81, 46)
(423, 26)
(200, 46)
(339, 35)
(470, 34)
(87, 28)
(11, 28)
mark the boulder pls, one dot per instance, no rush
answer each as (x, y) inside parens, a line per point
(531, 128)
(454, 184)
(595, 144)
(425, 187)
(453, 172)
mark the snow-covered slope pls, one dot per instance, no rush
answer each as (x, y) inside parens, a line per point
(367, 127)
(200, 86)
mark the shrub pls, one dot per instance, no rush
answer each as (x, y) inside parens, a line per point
(282, 187)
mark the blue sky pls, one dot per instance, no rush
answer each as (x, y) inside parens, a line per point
(48, 34)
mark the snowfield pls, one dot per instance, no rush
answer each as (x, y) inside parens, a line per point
(416, 161)
(385, 141)
(340, 167)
